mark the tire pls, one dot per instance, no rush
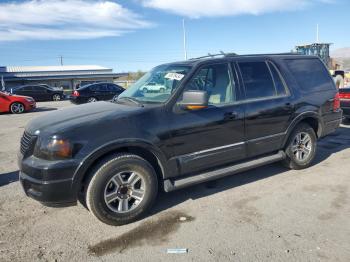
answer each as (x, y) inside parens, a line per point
(115, 205)
(92, 99)
(56, 97)
(17, 108)
(299, 155)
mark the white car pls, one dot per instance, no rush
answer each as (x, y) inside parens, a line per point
(153, 87)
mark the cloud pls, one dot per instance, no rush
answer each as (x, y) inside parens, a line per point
(213, 8)
(66, 19)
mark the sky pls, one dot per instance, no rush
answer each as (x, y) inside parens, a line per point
(131, 35)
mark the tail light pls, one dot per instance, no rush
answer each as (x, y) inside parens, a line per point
(344, 95)
(336, 102)
(76, 93)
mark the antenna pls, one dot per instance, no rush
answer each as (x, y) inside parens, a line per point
(184, 36)
(61, 60)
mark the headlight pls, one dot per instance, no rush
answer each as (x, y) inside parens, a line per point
(53, 148)
(30, 99)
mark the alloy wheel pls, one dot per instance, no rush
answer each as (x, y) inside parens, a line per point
(92, 100)
(302, 146)
(124, 192)
(56, 97)
(17, 108)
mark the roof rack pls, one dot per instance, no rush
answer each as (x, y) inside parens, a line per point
(214, 55)
(234, 54)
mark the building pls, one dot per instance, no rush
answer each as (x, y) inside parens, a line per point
(318, 49)
(57, 76)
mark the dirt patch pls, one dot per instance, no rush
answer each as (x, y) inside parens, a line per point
(341, 199)
(248, 213)
(148, 233)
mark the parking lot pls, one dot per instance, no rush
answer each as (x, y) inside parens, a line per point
(267, 214)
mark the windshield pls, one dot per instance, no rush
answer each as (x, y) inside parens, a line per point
(157, 85)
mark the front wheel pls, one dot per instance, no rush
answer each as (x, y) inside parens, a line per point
(301, 147)
(123, 189)
(17, 108)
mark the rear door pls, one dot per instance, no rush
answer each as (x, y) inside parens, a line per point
(268, 107)
(112, 91)
(100, 91)
(41, 93)
(25, 91)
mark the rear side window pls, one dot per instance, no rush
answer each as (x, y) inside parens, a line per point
(277, 78)
(257, 80)
(310, 74)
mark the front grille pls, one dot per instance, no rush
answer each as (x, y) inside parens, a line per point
(27, 143)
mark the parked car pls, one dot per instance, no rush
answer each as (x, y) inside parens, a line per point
(15, 104)
(344, 95)
(95, 92)
(39, 92)
(153, 87)
(222, 116)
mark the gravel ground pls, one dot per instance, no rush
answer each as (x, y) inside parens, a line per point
(267, 214)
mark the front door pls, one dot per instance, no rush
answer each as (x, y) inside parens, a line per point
(211, 137)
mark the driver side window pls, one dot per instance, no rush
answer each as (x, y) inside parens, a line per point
(216, 81)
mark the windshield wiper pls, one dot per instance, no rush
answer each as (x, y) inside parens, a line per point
(134, 100)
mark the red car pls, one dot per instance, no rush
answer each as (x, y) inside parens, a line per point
(15, 104)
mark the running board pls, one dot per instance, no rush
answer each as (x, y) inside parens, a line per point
(171, 185)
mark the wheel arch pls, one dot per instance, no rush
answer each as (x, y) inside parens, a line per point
(311, 118)
(18, 102)
(145, 150)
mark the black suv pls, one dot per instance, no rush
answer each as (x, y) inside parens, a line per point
(216, 117)
(95, 92)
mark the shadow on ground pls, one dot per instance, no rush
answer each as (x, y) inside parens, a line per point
(336, 142)
(8, 178)
(44, 109)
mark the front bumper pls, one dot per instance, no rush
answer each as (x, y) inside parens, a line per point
(49, 182)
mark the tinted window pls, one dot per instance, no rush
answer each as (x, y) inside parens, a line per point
(39, 88)
(277, 78)
(27, 88)
(113, 88)
(310, 74)
(214, 79)
(95, 88)
(257, 80)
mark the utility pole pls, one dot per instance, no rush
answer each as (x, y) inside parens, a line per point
(317, 34)
(184, 36)
(61, 60)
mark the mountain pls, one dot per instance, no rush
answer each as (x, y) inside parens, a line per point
(343, 56)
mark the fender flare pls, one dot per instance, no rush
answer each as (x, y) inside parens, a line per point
(88, 161)
(302, 116)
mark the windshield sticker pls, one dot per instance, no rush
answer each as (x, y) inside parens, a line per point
(174, 76)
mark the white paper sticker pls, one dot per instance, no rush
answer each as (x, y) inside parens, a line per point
(174, 76)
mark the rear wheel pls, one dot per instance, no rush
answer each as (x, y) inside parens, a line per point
(17, 108)
(301, 147)
(92, 99)
(56, 97)
(123, 188)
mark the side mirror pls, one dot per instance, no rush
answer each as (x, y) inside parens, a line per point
(194, 100)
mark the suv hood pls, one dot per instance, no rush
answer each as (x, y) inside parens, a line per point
(80, 116)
